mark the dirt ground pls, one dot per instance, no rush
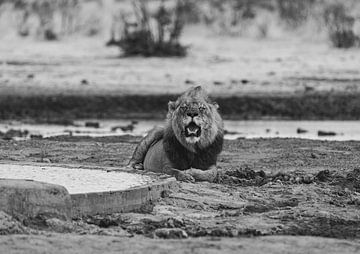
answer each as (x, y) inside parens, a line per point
(275, 195)
(281, 195)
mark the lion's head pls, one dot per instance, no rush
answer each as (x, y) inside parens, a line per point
(194, 119)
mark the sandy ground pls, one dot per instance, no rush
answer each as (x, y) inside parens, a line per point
(224, 65)
(271, 190)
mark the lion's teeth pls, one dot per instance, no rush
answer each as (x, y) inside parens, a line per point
(192, 131)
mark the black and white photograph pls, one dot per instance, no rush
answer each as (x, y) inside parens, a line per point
(179, 126)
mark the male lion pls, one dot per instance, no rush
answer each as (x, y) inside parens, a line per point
(188, 146)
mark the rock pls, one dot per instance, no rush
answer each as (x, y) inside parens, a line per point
(9, 225)
(46, 160)
(298, 179)
(314, 156)
(10, 134)
(323, 175)
(218, 83)
(189, 82)
(26, 199)
(301, 131)
(59, 226)
(170, 233)
(92, 124)
(326, 133)
(129, 127)
(226, 132)
(308, 179)
(35, 136)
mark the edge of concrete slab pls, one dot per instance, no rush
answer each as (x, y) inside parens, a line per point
(130, 200)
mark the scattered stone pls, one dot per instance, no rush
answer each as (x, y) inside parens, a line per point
(226, 132)
(36, 136)
(301, 131)
(129, 127)
(244, 81)
(353, 179)
(46, 160)
(104, 221)
(314, 156)
(189, 82)
(84, 82)
(8, 225)
(309, 89)
(170, 233)
(326, 133)
(30, 76)
(11, 134)
(92, 124)
(59, 226)
(308, 179)
(323, 175)
(218, 83)
(256, 208)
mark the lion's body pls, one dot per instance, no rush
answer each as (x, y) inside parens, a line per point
(156, 159)
(191, 139)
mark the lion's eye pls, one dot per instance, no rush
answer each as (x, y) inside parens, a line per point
(202, 108)
(184, 107)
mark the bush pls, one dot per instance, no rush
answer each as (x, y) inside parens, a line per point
(340, 26)
(153, 35)
(237, 17)
(294, 12)
(44, 13)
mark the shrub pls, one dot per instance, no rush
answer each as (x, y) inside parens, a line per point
(294, 12)
(340, 26)
(153, 35)
(236, 17)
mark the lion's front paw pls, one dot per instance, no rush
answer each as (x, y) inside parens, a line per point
(184, 177)
(209, 175)
(137, 166)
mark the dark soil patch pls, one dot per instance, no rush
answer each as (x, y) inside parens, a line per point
(51, 108)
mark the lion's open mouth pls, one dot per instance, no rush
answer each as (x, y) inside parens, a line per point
(192, 130)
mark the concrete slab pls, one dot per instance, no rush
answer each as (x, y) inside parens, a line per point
(97, 190)
(30, 199)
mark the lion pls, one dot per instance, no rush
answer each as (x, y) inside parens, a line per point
(189, 144)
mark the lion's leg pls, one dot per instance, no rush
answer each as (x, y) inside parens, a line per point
(209, 175)
(179, 175)
(139, 154)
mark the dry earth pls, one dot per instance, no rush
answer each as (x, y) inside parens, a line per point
(224, 65)
(278, 195)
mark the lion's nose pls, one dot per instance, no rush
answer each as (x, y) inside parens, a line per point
(192, 114)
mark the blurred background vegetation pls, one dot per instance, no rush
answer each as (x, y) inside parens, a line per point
(154, 27)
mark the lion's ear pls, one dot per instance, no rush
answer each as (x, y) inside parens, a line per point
(171, 106)
(216, 105)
